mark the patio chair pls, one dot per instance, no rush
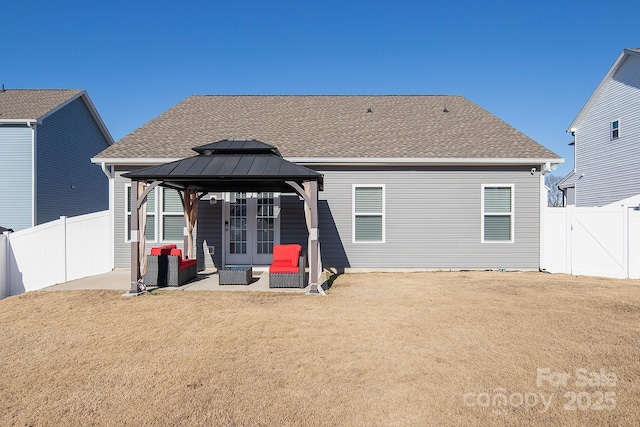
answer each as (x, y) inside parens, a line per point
(158, 266)
(180, 270)
(288, 268)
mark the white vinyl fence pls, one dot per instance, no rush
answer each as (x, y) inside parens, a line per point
(55, 252)
(602, 241)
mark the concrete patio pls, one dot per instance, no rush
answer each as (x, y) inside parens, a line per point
(206, 281)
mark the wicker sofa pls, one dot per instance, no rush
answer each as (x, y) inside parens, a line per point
(167, 267)
(288, 268)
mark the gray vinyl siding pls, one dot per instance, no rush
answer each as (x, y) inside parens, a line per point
(67, 183)
(15, 176)
(433, 219)
(209, 230)
(121, 247)
(570, 196)
(610, 167)
(293, 226)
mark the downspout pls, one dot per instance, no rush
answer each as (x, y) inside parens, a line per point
(110, 174)
(542, 265)
(31, 124)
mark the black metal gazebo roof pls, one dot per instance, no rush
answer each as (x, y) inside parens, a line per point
(230, 165)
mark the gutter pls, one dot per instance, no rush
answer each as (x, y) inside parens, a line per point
(28, 122)
(432, 161)
(359, 161)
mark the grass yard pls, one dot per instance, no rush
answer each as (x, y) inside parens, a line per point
(437, 348)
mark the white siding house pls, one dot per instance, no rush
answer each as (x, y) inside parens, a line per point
(607, 138)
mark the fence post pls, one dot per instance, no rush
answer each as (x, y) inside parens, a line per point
(569, 238)
(4, 272)
(63, 226)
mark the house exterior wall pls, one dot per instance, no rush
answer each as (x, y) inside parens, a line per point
(121, 242)
(16, 176)
(610, 166)
(209, 233)
(433, 220)
(67, 183)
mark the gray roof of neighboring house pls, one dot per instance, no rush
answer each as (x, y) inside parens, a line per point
(332, 126)
(32, 103)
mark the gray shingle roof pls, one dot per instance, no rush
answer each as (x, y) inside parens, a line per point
(32, 103)
(301, 126)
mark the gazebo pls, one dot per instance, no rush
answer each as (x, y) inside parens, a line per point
(228, 165)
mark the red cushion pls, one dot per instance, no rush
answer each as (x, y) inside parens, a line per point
(287, 255)
(160, 251)
(283, 267)
(170, 246)
(176, 252)
(186, 263)
(295, 254)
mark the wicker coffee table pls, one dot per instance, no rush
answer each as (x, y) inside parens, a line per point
(235, 275)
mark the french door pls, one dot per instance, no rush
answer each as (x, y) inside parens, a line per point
(252, 227)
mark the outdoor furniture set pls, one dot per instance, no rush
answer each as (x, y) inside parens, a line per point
(167, 267)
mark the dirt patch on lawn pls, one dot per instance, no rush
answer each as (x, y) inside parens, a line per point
(468, 348)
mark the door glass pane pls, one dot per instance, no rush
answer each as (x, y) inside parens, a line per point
(238, 224)
(265, 223)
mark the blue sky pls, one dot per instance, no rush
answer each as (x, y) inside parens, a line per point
(533, 64)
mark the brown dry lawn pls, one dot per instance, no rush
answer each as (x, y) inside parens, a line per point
(380, 350)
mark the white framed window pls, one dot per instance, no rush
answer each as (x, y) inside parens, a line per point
(497, 202)
(171, 216)
(614, 130)
(368, 213)
(150, 229)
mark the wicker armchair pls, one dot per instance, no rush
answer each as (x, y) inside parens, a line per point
(288, 268)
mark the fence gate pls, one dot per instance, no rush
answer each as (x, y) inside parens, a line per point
(602, 241)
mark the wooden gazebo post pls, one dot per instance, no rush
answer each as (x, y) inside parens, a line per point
(137, 199)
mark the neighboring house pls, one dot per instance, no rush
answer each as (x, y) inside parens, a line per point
(46, 140)
(607, 139)
(410, 182)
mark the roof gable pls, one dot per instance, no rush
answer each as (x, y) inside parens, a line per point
(619, 63)
(332, 126)
(21, 105)
(33, 104)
